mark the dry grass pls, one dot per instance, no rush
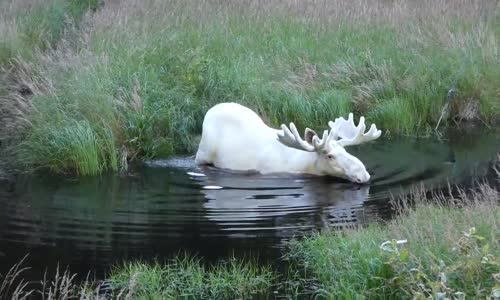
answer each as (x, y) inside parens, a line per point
(421, 20)
(396, 12)
(13, 285)
(22, 84)
(63, 285)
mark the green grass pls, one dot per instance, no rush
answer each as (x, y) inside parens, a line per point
(37, 25)
(149, 72)
(71, 146)
(186, 277)
(449, 249)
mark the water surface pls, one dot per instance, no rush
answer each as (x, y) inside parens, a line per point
(166, 206)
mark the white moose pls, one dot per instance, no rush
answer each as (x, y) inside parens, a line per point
(234, 137)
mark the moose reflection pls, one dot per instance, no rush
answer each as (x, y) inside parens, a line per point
(252, 198)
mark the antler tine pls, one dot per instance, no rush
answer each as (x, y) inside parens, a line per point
(350, 134)
(291, 138)
(320, 143)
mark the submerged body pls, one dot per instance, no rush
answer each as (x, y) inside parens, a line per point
(234, 137)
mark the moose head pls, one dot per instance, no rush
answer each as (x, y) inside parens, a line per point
(332, 158)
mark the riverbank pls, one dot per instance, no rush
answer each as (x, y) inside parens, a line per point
(96, 85)
(447, 249)
(444, 245)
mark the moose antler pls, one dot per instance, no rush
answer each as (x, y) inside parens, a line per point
(343, 131)
(291, 138)
(349, 134)
(312, 142)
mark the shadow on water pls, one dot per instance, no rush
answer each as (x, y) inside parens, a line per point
(166, 206)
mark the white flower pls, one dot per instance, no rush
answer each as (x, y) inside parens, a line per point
(388, 245)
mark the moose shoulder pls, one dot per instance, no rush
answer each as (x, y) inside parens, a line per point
(234, 137)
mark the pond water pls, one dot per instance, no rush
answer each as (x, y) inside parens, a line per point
(165, 206)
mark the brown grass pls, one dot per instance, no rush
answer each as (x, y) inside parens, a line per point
(63, 285)
(21, 83)
(421, 18)
(396, 12)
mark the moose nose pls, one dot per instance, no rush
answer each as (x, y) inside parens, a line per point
(362, 178)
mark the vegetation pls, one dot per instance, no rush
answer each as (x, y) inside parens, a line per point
(86, 86)
(186, 277)
(441, 250)
(128, 79)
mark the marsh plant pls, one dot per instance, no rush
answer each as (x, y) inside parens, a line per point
(108, 82)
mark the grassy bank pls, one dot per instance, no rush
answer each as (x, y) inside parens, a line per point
(441, 250)
(135, 78)
(446, 246)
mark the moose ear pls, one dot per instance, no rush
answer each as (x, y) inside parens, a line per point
(308, 135)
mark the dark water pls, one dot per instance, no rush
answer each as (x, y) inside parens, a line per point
(162, 209)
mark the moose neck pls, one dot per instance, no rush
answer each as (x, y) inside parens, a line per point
(305, 162)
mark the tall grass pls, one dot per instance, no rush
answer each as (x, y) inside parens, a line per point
(29, 30)
(71, 146)
(150, 70)
(30, 25)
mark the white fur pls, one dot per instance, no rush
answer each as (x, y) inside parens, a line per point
(236, 138)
